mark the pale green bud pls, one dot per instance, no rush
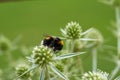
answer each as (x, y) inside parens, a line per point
(99, 75)
(22, 69)
(42, 55)
(96, 35)
(72, 31)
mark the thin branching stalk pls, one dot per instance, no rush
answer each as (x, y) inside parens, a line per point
(47, 76)
(117, 11)
(117, 68)
(114, 72)
(68, 46)
(72, 45)
(94, 59)
(80, 64)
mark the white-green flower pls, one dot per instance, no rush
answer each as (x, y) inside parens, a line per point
(98, 75)
(22, 69)
(72, 30)
(94, 34)
(42, 55)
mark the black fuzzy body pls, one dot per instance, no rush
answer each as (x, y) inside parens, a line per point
(55, 43)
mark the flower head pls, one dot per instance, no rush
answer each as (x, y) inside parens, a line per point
(21, 69)
(94, 34)
(72, 30)
(98, 75)
(42, 55)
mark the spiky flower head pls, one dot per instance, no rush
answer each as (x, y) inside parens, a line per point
(42, 55)
(5, 44)
(72, 30)
(94, 34)
(98, 75)
(21, 69)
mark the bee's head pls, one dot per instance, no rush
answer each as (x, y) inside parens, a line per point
(48, 40)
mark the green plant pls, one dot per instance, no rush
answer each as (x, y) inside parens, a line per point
(44, 58)
(44, 62)
(116, 58)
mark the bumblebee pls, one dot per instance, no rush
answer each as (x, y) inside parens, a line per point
(53, 42)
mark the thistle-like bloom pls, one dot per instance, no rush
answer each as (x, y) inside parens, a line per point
(72, 31)
(94, 34)
(21, 69)
(42, 55)
(98, 75)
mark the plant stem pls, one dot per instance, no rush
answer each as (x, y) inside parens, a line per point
(80, 65)
(117, 11)
(79, 61)
(47, 76)
(94, 59)
(72, 45)
(117, 68)
(68, 46)
(114, 72)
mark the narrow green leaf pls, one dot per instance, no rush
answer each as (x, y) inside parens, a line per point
(88, 39)
(27, 71)
(58, 72)
(62, 38)
(68, 55)
(42, 74)
(63, 31)
(87, 31)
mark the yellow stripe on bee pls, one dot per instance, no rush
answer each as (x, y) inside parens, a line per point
(48, 37)
(61, 42)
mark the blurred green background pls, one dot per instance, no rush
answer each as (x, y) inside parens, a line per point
(32, 19)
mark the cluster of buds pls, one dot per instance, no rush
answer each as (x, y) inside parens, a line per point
(99, 75)
(42, 55)
(21, 69)
(94, 34)
(72, 31)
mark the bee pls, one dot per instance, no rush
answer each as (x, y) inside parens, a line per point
(53, 42)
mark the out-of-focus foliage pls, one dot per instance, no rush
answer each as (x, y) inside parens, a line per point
(34, 19)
